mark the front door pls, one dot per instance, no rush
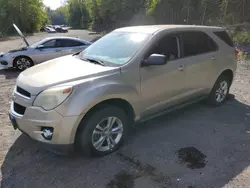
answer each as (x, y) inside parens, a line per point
(51, 49)
(163, 86)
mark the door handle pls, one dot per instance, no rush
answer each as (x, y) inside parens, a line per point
(213, 58)
(181, 68)
(58, 50)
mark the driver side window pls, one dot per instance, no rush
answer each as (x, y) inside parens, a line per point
(50, 44)
(168, 46)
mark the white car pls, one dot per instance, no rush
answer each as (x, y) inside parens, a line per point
(44, 50)
(50, 30)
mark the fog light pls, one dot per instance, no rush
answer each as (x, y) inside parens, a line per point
(4, 63)
(47, 133)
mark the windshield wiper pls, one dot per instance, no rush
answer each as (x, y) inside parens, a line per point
(94, 61)
(77, 53)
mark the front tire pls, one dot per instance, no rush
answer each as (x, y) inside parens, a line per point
(103, 132)
(220, 91)
(23, 63)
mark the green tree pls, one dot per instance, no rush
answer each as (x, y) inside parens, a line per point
(109, 14)
(29, 15)
(235, 11)
(58, 16)
(77, 14)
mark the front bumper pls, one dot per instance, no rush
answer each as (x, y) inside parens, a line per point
(35, 118)
(6, 62)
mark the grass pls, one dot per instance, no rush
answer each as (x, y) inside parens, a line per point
(243, 56)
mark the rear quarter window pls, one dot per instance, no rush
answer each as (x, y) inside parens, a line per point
(223, 35)
(71, 43)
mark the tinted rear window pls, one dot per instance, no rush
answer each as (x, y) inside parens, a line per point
(223, 35)
(70, 43)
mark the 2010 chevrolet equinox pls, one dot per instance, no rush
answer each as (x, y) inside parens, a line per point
(90, 99)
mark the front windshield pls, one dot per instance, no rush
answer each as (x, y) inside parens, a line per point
(116, 47)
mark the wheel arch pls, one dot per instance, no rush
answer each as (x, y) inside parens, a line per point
(229, 74)
(20, 56)
(117, 102)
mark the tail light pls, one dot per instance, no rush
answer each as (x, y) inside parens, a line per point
(236, 52)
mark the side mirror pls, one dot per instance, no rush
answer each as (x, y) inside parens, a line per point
(40, 47)
(155, 59)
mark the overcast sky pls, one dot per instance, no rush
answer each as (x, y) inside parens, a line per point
(53, 4)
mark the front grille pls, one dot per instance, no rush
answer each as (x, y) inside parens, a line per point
(23, 92)
(19, 109)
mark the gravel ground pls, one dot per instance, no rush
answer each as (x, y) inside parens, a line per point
(195, 147)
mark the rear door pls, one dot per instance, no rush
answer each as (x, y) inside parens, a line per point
(70, 46)
(200, 54)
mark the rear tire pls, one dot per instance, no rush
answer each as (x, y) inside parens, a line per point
(103, 132)
(220, 91)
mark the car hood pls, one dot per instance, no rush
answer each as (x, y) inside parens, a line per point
(12, 52)
(60, 71)
(18, 50)
(21, 34)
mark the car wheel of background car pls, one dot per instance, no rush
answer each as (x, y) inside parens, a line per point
(22, 63)
(103, 132)
(220, 91)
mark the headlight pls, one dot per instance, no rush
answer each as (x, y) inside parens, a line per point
(52, 97)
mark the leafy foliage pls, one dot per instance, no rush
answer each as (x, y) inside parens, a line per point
(108, 14)
(105, 15)
(242, 37)
(58, 16)
(77, 14)
(29, 15)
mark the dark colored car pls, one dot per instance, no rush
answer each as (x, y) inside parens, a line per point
(61, 30)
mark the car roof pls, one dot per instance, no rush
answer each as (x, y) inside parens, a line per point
(63, 37)
(151, 29)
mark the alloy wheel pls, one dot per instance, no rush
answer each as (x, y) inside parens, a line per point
(221, 92)
(107, 134)
(23, 63)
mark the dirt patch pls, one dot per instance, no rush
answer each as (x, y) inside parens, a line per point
(147, 170)
(122, 180)
(136, 163)
(231, 97)
(192, 157)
